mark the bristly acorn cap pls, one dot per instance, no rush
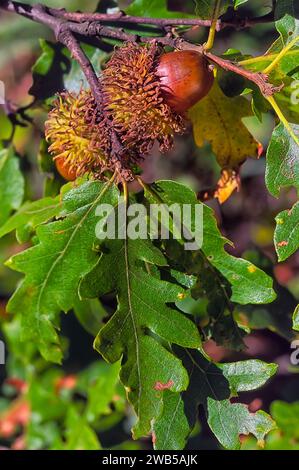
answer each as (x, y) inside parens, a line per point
(133, 108)
(74, 129)
(133, 100)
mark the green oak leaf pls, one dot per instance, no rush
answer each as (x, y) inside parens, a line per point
(228, 421)
(288, 97)
(45, 60)
(158, 9)
(285, 73)
(142, 319)
(101, 391)
(11, 183)
(172, 429)
(213, 291)
(65, 252)
(32, 214)
(282, 168)
(244, 376)
(48, 70)
(90, 313)
(75, 79)
(173, 426)
(211, 385)
(249, 284)
(286, 235)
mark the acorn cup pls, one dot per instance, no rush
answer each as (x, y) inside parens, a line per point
(78, 141)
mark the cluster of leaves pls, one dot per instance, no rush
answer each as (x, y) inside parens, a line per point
(153, 339)
(148, 326)
(43, 408)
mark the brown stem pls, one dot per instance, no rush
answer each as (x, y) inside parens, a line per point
(67, 26)
(87, 29)
(120, 17)
(236, 22)
(260, 79)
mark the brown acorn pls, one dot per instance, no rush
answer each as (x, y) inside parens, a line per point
(185, 77)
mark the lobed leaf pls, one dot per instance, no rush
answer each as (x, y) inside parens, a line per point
(249, 284)
(142, 319)
(54, 267)
(211, 385)
(153, 9)
(228, 421)
(79, 434)
(205, 8)
(286, 416)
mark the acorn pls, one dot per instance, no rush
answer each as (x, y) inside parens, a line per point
(185, 77)
(65, 170)
(145, 94)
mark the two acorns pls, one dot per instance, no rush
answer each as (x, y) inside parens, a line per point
(145, 96)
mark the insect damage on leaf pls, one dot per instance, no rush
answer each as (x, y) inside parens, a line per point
(162, 386)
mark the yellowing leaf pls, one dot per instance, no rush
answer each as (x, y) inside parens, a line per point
(228, 182)
(218, 120)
